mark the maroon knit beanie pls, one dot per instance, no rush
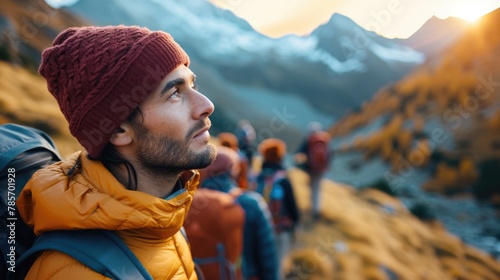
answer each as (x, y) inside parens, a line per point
(99, 75)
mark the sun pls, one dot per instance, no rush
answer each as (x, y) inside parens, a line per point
(467, 11)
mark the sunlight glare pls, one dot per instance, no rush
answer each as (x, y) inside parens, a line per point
(467, 11)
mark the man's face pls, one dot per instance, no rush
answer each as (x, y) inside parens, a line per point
(173, 135)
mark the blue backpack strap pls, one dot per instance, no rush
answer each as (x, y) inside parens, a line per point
(220, 259)
(100, 250)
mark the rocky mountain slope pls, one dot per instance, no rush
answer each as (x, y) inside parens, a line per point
(444, 116)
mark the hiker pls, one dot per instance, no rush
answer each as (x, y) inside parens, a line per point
(214, 227)
(244, 176)
(245, 133)
(314, 157)
(260, 260)
(276, 188)
(131, 102)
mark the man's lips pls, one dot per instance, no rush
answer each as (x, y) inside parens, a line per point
(203, 130)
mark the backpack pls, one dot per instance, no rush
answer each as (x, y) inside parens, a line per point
(269, 186)
(214, 226)
(24, 150)
(318, 155)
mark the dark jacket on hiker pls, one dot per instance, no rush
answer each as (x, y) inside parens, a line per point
(290, 205)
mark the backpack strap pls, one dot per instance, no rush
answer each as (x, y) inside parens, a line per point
(224, 264)
(100, 250)
(266, 182)
(278, 176)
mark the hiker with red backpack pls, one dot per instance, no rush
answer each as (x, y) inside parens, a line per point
(273, 184)
(131, 102)
(259, 257)
(314, 156)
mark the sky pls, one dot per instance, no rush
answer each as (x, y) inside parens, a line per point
(389, 18)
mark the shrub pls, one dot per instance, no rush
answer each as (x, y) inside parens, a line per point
(383, 186)
(422, 211)
(488, 183)
(4, 53)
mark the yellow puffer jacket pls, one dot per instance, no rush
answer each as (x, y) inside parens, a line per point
(91, 198)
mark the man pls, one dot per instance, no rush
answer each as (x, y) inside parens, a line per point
(131, 101)
(229, 140)
(314, 156)
(245, 134)
(275, 186)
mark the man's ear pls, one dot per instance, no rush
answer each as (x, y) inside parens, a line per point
(122, 135)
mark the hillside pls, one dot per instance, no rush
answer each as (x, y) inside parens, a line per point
(442, 117)
(24, 98)
(370, 235)
(27, 27)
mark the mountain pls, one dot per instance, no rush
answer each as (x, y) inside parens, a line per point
(454, 95)
(27, 27)
(458, 88)
(360, 56)
(433, 136)
(436, 35)
(287, 82)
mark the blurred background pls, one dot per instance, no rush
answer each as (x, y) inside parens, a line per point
(409, 91)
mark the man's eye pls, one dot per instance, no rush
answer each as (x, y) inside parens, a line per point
(175, 94)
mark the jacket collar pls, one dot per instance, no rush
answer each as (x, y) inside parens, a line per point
(92, 198)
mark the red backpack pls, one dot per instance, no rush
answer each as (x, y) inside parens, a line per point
(214, 227)
(318, 154)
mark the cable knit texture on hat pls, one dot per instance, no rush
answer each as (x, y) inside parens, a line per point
(99, 75)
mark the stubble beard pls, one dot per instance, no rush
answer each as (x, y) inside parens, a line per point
(171, 156)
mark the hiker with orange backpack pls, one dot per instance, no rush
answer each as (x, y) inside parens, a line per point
(259, 259)
(214, 228)
(131, 102)
(314, 156)
(273, 184)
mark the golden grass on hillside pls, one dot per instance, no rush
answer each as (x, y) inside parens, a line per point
(24, 99)
(370, 235)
